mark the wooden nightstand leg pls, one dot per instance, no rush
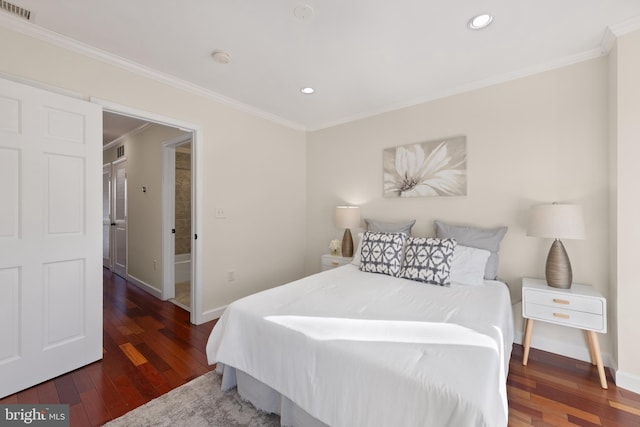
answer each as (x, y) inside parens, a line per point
(592, 354)
(528, 329)
(596, 350)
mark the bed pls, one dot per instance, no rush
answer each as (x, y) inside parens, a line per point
(347, 347)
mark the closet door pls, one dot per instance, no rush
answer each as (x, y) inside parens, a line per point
(50, 235)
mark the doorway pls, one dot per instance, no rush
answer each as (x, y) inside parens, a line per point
(177, 197)
(194, 269)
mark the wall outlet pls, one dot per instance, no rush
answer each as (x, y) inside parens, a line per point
(231, 275)
(220, 213)
(155, 264)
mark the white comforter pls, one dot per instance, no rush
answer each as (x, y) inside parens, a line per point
(364, 349)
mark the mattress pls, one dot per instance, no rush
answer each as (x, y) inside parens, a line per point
(351, 348)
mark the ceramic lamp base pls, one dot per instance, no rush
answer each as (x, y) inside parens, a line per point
(558, 269)
(347, 244)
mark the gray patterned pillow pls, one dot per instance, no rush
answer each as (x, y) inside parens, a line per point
(382, 253)
(428, 260)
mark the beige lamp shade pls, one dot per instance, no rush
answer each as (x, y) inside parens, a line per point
(557, 222)
(347, 217)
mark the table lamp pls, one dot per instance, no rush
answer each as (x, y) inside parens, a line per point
(347, 217)
(557, 221)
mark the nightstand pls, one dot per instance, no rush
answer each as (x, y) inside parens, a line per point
(333, 261)
(580, 307)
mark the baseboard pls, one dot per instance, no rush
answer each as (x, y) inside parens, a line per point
(628, 381)
(517, 338)
(144, 286)
(213, 314)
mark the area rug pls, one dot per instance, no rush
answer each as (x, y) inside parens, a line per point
(198, 403)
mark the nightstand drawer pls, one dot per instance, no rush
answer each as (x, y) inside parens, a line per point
(576, 319)
(333, 261)
(564, 301)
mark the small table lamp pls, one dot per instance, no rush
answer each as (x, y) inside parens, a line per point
(347, 217)
(557, 221)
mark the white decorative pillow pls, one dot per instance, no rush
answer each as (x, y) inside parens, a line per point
(428, 260)
(382, 253)
(468, 265)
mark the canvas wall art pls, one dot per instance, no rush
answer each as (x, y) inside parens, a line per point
(427, 169)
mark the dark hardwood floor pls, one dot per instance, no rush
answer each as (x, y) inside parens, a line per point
(554, 390)
(151, 348)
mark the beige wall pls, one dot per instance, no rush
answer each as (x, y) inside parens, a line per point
(144, 209)
(534, 140)
(252, 167)
(626, 206)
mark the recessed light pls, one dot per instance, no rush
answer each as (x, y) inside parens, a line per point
(303, 12)
(307, 90)
(479, 22)
(221, 57)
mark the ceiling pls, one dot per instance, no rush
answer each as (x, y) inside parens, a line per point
(115, 125)
(362, 57)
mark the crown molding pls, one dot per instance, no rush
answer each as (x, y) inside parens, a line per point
(32, 30)
(479, 84)
(612, 32)
(127, 135)
(625, 27)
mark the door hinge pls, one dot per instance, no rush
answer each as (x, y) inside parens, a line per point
(195, 236)
(173, 231)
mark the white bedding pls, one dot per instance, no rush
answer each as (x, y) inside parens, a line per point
(363, 349)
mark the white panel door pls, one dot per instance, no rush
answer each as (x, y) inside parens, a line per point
(119, 217)
(106, 216)
(50, 235)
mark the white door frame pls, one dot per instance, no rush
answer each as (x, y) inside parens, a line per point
(196, 316)
(168, 214)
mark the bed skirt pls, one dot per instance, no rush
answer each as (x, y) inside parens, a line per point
(266, 399)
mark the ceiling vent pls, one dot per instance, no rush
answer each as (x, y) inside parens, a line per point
(15, 10)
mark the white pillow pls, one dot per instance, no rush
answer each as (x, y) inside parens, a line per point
(468, 265)
(357, 258)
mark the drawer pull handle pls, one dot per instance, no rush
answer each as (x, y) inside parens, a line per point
(561, 315)
(560, 301)
(335, 263)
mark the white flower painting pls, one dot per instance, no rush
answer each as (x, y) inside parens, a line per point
(428, 169)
